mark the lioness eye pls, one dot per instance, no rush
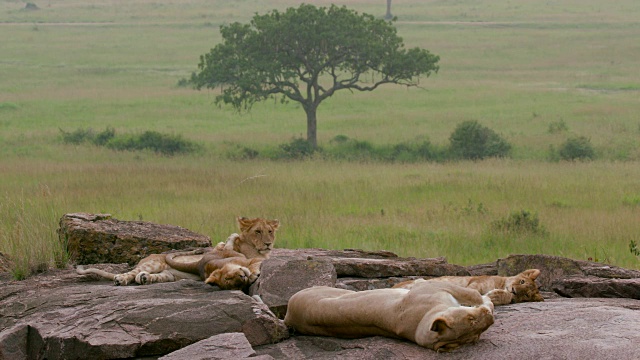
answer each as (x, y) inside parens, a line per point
(521, 282)
(258, 231)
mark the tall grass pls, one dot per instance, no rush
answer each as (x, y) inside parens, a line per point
(420, 210)
(520, 68)
(28, 233)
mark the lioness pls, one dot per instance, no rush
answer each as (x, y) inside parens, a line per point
(256, 237)
(227, 269)
(501, 289)
(435, 315)
(255, 241)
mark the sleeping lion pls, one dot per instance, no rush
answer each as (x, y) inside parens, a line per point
(501, 289)
(256, 240)
(228, 269)
(436, 315)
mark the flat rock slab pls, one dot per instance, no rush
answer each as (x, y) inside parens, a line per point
(282, 277)
(555, 329)
(66, 319)
(98, 238)
(219, 347)
(591, 286)
(376, 268)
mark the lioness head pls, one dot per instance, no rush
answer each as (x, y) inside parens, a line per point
(260, 232)
(230, 277)
(458, 326)
(523, 286)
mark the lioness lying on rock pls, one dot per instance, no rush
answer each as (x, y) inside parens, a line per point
(436, 315)
(228, 269)
(501, 289)
(256, 240)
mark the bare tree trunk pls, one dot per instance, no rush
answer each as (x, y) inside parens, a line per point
(388, 16)
(312, 127)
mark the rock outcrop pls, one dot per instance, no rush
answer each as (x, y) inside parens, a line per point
(61, 315)
(98, 238)
(554, 329)
(281, 277)
(219, 347)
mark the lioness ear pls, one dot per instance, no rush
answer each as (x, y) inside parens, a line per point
(439, 325)
(244, 223)
(531, 273)
(274, 224)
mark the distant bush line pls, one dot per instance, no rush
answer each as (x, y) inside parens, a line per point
(165, 144)
(469, 141)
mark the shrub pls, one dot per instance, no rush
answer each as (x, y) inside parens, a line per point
(557, 127)
(152, 140)
(633, 248)
(78, 136)
(577, 148)
(344, 148)
(296, 149)
(102, 138)
(519, 222)
(471, 140)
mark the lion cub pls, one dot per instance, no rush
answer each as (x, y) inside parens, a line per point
(227, 269)
(501, 289)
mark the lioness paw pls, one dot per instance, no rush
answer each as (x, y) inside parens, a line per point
(229, 244)
(120, 280)
(500, 297)
(143, 278)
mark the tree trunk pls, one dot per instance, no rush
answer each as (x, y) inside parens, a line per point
(312, 125)
(388, 16)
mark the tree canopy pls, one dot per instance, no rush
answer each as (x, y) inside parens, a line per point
(306, 54)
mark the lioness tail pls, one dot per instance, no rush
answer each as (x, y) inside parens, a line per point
(82, 271)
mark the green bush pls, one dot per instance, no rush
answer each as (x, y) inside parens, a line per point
(519, 222)
(633, 248)
(296, 149)
(557, 127)
(471, 140)
(102, 138)
(165, 144)
(343, 148)
(149, 140)
(77, 137)
(577, 148)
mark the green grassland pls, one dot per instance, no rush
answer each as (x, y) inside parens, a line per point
(516, 67)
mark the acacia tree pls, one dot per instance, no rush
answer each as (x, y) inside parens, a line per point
(306, 54)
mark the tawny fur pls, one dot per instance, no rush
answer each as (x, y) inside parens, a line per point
(227, 269)
(152, 269)
(255, 241)
(501, 289)
(436, 315)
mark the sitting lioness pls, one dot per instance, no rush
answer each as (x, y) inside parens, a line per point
(435, 315)
(501, 289)
(255, 241)
(227, 269)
